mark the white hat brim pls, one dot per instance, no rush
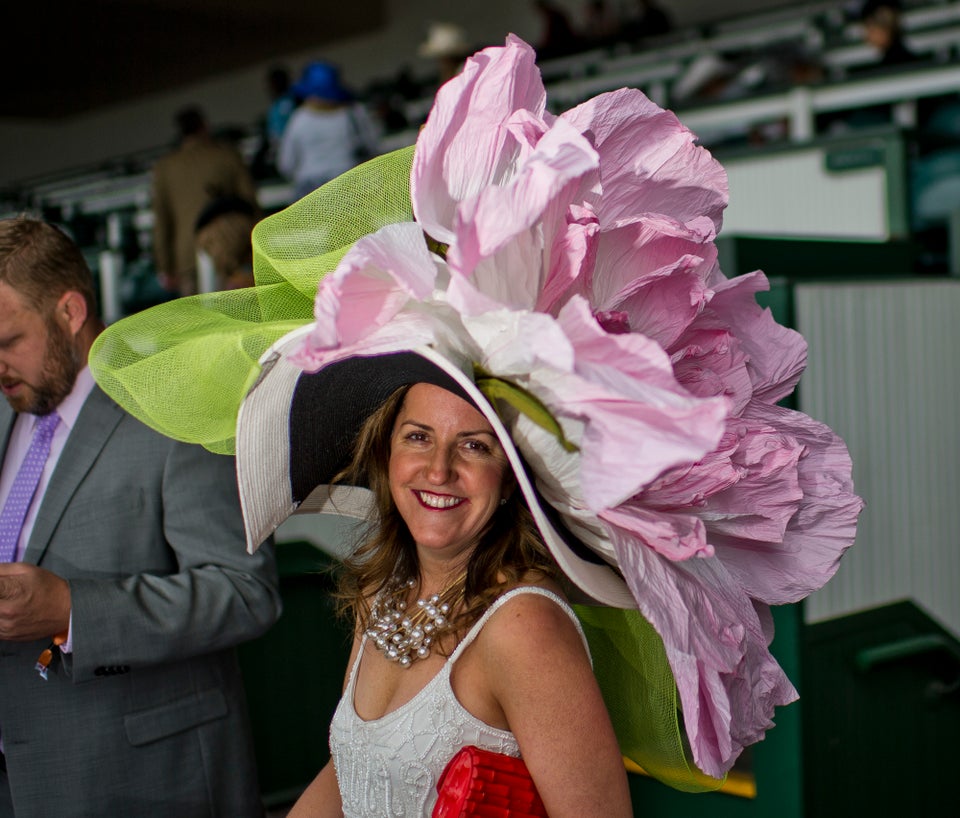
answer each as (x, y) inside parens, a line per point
(264, 470)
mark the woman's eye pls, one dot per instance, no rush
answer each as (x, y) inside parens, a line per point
(476, 446)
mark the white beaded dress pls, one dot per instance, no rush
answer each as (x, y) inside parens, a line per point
(390, 766)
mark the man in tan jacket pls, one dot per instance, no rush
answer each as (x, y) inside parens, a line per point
(185, 181)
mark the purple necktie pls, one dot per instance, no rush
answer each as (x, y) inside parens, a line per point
(25, 486)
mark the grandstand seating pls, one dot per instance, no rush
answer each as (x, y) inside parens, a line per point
(117, 196)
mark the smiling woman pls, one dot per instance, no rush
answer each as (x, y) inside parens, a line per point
(447, 473)
(530, 309)
(458, 610)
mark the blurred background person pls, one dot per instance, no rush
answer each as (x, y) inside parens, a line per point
(601, 25)
(447, 44)
(882, 30)
(647, 20)
(223, 233)
(327, 134)
(282, 103)
(185, 181)
(274, 122)
(558, 38)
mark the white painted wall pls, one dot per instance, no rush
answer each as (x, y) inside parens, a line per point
(30, 148)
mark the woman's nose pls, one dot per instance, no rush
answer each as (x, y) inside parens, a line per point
(440, 468)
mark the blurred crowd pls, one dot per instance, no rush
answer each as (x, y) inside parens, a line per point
(315, 127)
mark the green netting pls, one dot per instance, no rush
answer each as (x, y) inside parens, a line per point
(185, 366)
(631, 666)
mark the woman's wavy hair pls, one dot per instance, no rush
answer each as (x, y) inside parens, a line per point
(510, 550)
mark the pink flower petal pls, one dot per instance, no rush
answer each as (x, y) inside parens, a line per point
(776, 355)
(674, 536)
(729, 683)
(711, 362)
(824, 525)
(368, 291)
(648, 161)
(486, 221)
(626, 390)
(486, 225)
(463, 147)
(571, 257)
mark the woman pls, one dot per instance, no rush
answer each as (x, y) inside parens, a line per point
(327, 134)
(562, 272)
(519, 682)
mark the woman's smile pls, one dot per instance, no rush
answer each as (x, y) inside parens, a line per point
(448, 471)
(441, 502)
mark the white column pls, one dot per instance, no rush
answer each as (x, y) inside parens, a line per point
(801, 115)
(206, 273)
(111, 269)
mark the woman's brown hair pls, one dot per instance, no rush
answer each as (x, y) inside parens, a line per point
(509, 551)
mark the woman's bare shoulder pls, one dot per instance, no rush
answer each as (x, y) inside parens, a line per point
(528, 625)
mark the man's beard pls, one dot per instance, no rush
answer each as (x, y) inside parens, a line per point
(60, 367)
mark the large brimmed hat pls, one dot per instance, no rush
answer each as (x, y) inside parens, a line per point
(562, 272)
(295, 433)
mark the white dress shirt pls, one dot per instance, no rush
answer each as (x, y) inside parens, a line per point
(69, 410)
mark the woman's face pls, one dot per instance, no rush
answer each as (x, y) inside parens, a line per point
(447, 470)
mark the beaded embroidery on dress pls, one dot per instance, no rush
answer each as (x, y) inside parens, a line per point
(390, 766)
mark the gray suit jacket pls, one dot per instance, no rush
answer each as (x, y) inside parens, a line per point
(147, 716)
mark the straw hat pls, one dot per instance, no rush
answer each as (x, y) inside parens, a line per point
(444, 40)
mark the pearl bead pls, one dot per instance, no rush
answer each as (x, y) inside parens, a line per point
(405, 638)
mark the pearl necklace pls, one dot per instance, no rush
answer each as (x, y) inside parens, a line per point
(405, 637)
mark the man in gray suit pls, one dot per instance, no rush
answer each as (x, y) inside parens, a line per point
(130, 566)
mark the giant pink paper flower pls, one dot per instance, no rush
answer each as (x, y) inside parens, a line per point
(580, 263)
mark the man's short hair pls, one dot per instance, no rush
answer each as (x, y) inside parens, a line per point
(190, 121)
(41, 262)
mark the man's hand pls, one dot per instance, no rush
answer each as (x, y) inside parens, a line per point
(34, 603)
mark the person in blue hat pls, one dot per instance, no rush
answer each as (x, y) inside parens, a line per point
(327, 134)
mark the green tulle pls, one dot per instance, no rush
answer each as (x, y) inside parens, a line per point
(638, 688)
(185, 366)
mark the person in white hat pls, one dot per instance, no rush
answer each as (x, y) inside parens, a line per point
(447, 44)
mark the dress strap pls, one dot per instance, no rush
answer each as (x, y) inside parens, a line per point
(501, 601)
(348, 690)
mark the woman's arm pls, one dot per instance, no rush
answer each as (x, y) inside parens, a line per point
(539, 672)
(321, 799)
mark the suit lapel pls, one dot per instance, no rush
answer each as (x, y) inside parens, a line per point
(96, 422)
(7, 418)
